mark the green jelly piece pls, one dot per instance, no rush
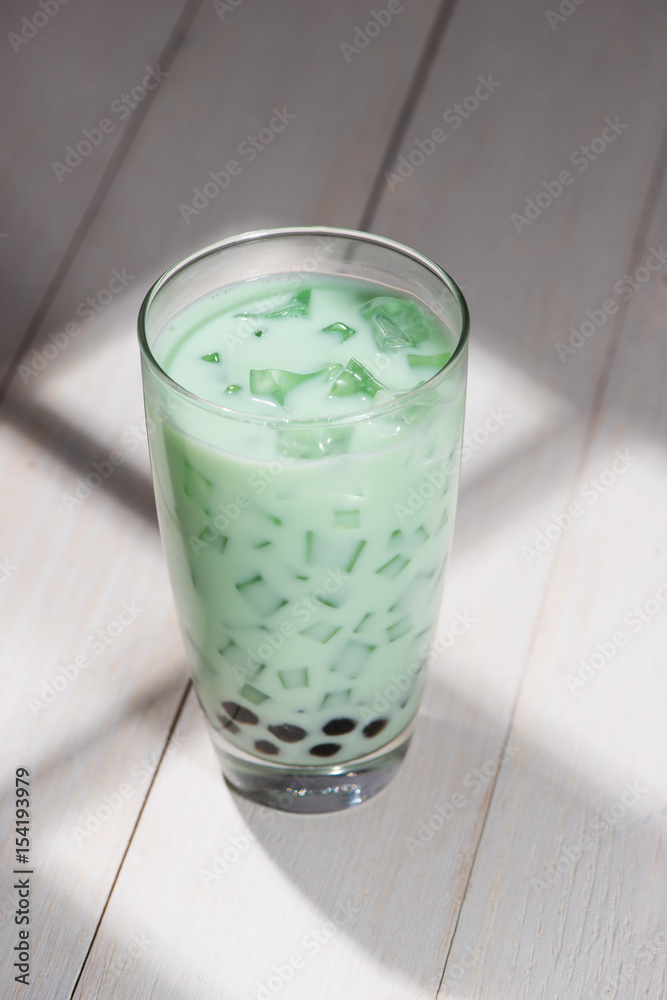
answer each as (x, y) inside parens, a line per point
(261, 597)
(342, 328)
(218, 542)
(260, 333)
(289, 305)
(322, 631)
(396, 535)
(235, 653)
(363, 623)
(211, 357)
(314, 443)
(355, 555)
(443, 520)
(272, 518)
(429, 360)
(244, 673)
(331, 549)
(195, 485)
(262, 545)
(336, 699)
(276, 382)
(332, 601)
(347, 518)
(392, 568)
(251, 693)
(399, 628)
(396, 604)
(396, 322)
(422, 534)
(352, 659)
(233, 388)
(300, 577)
(355, 379)
(296, 678)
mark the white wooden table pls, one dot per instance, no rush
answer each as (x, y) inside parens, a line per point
(520, 853)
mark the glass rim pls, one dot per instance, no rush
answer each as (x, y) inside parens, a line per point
(385, 409)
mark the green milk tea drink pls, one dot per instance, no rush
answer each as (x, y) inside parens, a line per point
(304, 440)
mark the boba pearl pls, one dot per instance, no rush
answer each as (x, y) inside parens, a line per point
(373, 728)
(338, 727)
(239, 713)
(325, 749)
(288, 733)
(227, 724)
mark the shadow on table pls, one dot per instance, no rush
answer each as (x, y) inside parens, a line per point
(393, 874)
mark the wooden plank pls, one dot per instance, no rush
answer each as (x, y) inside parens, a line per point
(399, 942)
(604, 912)
(62, 73)
(77, 563)
(584, 867)
(317, 894)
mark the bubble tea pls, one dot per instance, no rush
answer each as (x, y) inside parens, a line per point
(305, 429)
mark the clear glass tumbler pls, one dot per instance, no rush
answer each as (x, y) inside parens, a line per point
(307, 557)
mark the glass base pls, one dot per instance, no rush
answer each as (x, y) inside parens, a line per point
(306, 789)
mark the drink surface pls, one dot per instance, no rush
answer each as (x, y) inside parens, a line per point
(280, 349)
(307, 572)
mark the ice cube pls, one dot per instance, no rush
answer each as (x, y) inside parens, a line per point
(396, 322)
(277, 383)
(355, 379)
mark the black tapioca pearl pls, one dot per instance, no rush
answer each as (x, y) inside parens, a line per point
(338, 727)
(288, 733)
(375, 727)
(227, 724)
(325, 749)
(264, 746)
(239, 713)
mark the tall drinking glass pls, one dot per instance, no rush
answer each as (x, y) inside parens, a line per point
(304, 393)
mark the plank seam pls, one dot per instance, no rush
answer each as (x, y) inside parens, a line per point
(172, 729)
(414, 92)
(166, 57)
(492, 790)
(636, 253)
